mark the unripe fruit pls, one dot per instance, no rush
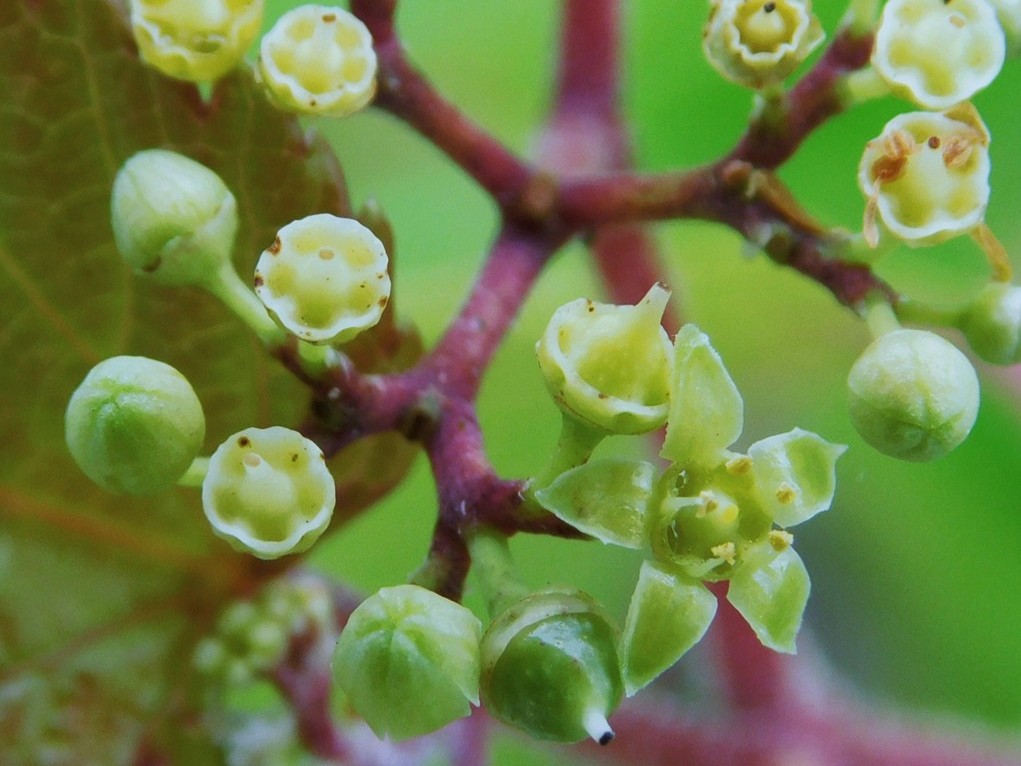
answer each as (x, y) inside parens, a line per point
(174, 220)
(992, 324)
(408, 661)
(938, 54)
(609, 366)
(318, 59)
(913, 395)
(195, 40)
(134, 425)
(268, 492)
(759, 42)
(550, 667)
(324, 278)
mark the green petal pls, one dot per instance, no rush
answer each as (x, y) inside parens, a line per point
(606, 499)
(706, 409)
(795, 474)
(669, 613)
(772, 598)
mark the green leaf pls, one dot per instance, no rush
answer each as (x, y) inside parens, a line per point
(772, 598)
(606, 499)
(706, 409)
(101, 597)
(795, 474)
(669, 613)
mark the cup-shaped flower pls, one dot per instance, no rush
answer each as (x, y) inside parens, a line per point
(913, 395)
(174, 220)
(550, 667)
(195, 40)
(759, 42)
(992, 323)
(408, 661)
(324, 278)
(318, 59)
(134, 425)
(927, 175)
(1008, 13)
(938, 54)
(608, 366)
(268, 492)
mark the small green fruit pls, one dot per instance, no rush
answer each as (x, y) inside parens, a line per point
(174, 220)
(550, 667)
(408, 661)
(913, 395)
(134, 425)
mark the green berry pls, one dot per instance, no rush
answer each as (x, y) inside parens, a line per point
(134, 425)
(268, 492)
(550, 667)
(609, 366)
(408, 661)
(913, 395)
(927, 175)
(992, 323)
(174, 220)
(938, 54)
(318, 59)
(758, 43)
(324, 278)
(195, 40)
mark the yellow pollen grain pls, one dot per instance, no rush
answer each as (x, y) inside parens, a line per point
(780, 539)
(725, 551)
(738, 466)
(786, 493)
(326, 254)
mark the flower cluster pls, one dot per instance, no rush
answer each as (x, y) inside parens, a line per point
(711, 515)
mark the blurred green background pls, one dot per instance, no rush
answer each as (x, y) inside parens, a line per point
(916, 570)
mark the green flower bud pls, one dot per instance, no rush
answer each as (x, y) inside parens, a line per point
(195, 40)
(318, 59)
(913, 395)
(609, 366)
(550, 667)
(174, 220)
(759, 42)
(324, 278)
(134, 425)
(992, 323)
(408, 661)
(927, 175)
(938, 54)
(268, 492)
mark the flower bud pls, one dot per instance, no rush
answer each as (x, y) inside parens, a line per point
(927, 175)
(759, 42)
(134, 425)
(318, 59)
(550, 667)
(408, 661)
(1008, 13)
(268, 492)
(609, 366)
(195, 40)
(938, 54)
(324, 278)
(992, 324)
(174, 220)
(913, 395)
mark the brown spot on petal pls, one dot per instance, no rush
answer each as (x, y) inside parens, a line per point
(275, 247)
(329, 18)
(244, 441)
